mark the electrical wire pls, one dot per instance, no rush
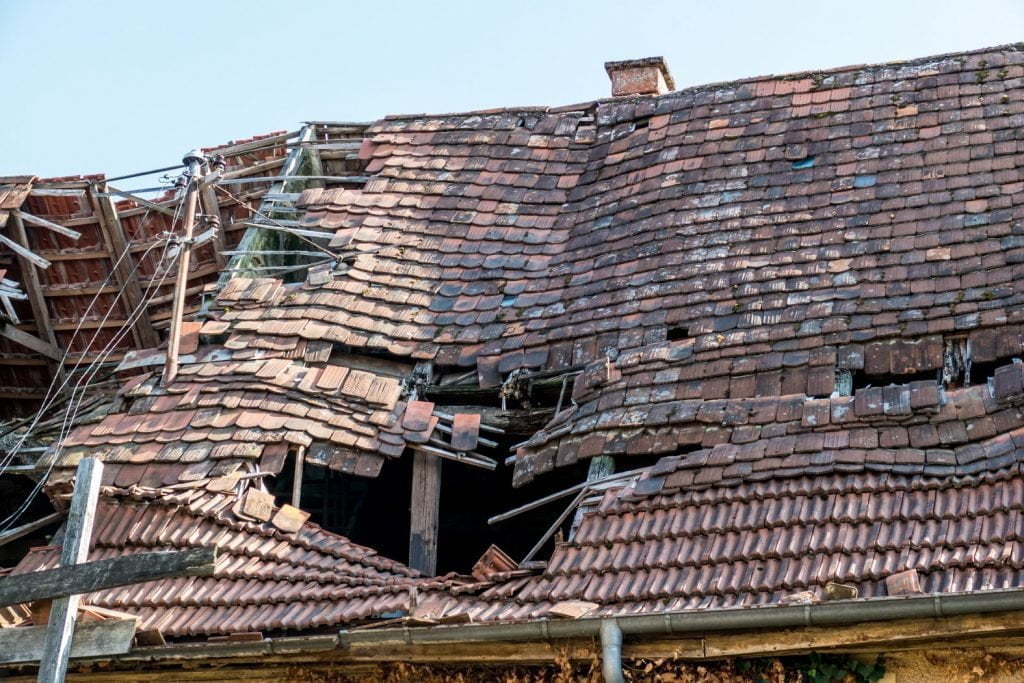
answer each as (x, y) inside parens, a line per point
(83, 384)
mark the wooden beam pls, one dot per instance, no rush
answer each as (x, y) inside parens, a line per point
(81, 515)
(37, 301)
(36, 260)
(91, 639)
(114, 240)
(425, 505)
(31, 341)
(100, 575)
(25, 529)
(49, 225)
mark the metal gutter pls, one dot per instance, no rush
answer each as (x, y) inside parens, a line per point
(729, 619)
(844, 612)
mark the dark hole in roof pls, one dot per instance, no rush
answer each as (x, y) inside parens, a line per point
(863, 380)
(677, 334)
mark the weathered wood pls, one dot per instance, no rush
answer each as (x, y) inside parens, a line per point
(540, 502)
(297, 478)
(37, 301)
(601, 467)
(31, 341)
(49, 225)
(90, 639)
(8, 307)
(425, 506)
(464, 458)
(115, 242)
(35, 259)
(554, 527)
(89, 577)
(75, 550)
(25, 529)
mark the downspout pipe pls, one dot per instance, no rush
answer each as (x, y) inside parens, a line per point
(611, 651)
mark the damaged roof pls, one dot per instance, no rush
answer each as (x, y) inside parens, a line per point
(276, 574)
(803, 291)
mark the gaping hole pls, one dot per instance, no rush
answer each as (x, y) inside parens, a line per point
(862, 380)
(677, 334)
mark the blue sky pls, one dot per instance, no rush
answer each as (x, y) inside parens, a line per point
(121, 87)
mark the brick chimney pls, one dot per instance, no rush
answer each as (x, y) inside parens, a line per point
(648, 76)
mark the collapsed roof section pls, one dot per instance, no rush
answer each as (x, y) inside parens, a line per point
(274, 571)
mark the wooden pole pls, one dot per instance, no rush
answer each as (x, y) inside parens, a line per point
(193, 161)
(424, 509)
(82, 514)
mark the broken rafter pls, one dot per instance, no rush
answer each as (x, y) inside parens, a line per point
(49, 225)
(35, 525)
(31, 341)
(584, 486)
(37, 300)
(25, 253)
(486, 463)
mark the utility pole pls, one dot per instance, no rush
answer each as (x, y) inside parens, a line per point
(193, 175)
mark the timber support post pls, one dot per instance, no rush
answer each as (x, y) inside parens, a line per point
(424, 509)
(57, 647)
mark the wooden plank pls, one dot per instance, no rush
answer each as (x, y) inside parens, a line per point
(425, 505)
(89, 577)
(25, 529)
(90, 639)
(37, 301)
(36, 260)
(49, 225)
(31, 341)
(114, 242)
(75, 550)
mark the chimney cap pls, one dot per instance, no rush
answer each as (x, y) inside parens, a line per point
(658, 62)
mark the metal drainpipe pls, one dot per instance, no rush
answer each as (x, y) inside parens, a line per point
(611, 651)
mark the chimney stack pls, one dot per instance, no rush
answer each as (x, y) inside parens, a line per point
(648, 76)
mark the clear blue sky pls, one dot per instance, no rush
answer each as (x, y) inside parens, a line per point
(120, 87)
